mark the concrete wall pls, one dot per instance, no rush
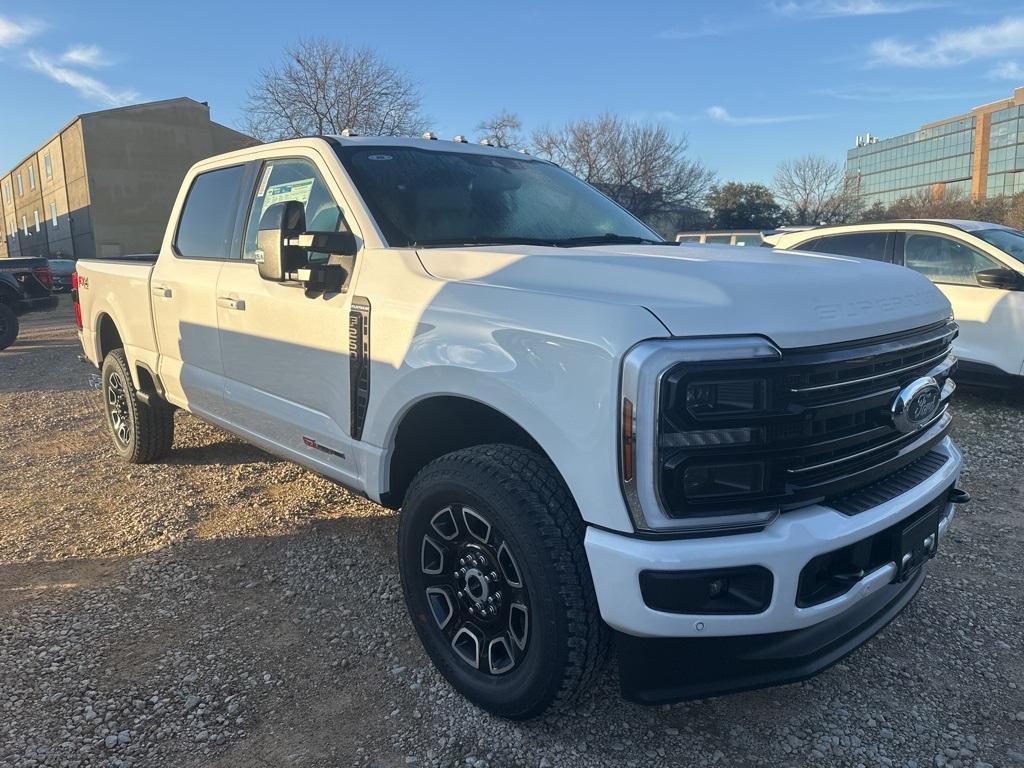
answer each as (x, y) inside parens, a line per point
(7, 218)
(137, 158)
(55, 199)
(28, 208)
(112, 179)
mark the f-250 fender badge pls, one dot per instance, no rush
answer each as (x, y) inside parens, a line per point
(311, 443)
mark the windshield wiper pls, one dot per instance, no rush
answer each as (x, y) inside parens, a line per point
(608, 237)
(484, 240)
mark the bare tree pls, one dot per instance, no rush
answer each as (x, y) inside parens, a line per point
(503, 130)
(640, 165)
(321, 87)
(814, 190)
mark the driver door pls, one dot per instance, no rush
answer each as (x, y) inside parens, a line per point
(286, 354)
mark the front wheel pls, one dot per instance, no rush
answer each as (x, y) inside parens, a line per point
(496, 580)
(141, 433)
(8, 326)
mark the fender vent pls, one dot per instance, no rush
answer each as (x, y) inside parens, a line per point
(359, 363)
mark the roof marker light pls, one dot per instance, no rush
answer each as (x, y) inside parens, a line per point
(430, 135)
(487, 142)
(460, 139)
(349, 132)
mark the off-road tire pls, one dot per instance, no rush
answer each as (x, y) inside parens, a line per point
(148, 430)
(533, 513)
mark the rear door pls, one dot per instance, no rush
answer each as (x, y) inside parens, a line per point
(286, 353)
(184, 287)
(989, 322)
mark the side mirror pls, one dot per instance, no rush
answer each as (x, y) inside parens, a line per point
(276, 257)
(1001, 277)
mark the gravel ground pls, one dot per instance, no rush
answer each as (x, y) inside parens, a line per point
(226, 608)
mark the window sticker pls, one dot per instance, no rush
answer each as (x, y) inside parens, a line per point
(292, 190)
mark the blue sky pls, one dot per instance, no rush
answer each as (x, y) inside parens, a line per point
(750, 83)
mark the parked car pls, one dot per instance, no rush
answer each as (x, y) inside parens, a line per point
(978, 265)
(26, 285)
(62, 270)
(591, 433)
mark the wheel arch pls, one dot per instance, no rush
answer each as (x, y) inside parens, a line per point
(439, 424)
(108, 337)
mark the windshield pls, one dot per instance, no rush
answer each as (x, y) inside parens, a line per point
(426, 198)
(1009, 241)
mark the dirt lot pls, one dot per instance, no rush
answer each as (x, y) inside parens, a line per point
(226, 608)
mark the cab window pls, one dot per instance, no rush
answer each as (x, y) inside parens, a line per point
(207, 223)
(752, 239)
(293, 179)
(944, 260)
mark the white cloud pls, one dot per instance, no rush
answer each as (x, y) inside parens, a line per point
(15, 33)
(86, 85)
(824, 9)
(1007, 70)
(951, 48)
(85, 56)
(721, 115)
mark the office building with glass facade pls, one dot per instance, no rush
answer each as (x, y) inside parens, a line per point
(978, 154)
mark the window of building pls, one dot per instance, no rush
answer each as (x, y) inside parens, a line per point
(24, 226)
(866, 245)
(207, 221)
(944, 260)
(48, 165)
(35, 215)
(688, 238)
(31, 177)
(21, 185)
(53, 214)
(723, 239)
(7, 192)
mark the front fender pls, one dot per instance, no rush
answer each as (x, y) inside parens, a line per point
(559, 383)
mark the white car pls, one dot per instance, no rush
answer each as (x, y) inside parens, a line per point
(978, 266)
(591, 433)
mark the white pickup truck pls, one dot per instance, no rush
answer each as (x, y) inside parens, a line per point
(734, 462)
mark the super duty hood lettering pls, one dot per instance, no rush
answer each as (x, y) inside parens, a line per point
(796, 299)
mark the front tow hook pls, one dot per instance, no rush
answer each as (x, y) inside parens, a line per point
(959, 496)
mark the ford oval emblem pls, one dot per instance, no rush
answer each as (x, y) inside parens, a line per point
(916, 404)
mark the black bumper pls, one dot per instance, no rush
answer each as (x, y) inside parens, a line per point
(663, 670)
(36, 304)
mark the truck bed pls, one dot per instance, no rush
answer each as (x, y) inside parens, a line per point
(117, 288)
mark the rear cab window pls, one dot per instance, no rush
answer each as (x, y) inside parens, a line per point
(207, 223)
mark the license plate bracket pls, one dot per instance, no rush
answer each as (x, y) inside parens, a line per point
(918, 542)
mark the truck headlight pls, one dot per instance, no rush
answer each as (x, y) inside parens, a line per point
(690, 434)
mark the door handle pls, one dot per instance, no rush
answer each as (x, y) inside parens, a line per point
(229, 303)
(162, 291)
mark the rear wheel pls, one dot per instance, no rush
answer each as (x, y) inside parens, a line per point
(141, 433)
(497, 582)
(9, 326)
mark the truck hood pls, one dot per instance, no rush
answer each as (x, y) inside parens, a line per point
(796, 299)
